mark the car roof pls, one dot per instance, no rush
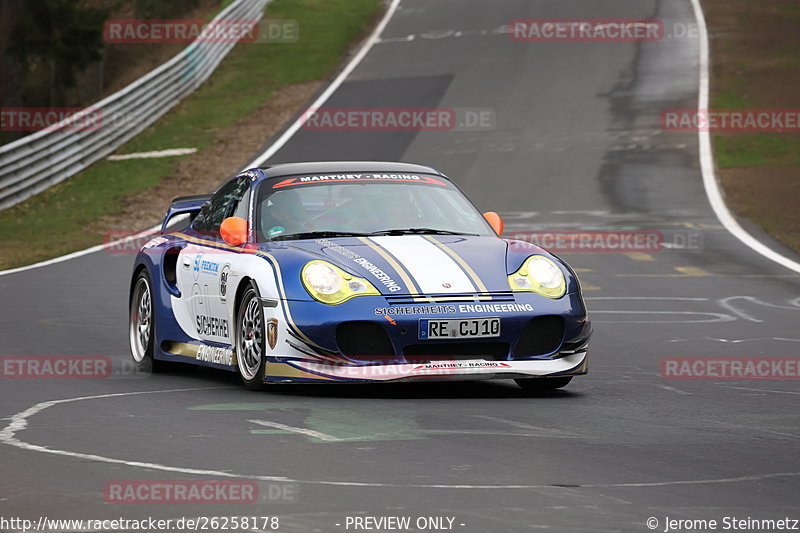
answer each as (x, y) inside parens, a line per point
(332, 167)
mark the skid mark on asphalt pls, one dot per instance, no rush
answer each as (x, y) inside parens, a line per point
(749, 428)
(762, 390)
(536, 431)
(673, 389)
(450, 33)
(302, 431)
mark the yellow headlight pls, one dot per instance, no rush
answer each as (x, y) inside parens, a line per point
(331, 285)
(540, 275)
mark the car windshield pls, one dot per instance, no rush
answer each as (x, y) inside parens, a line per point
(363, 204)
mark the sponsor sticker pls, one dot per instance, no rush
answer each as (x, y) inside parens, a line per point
(212, 326)
(200, 265)
(215, 354)
(385, 279)
(448, 309)
(275, 231)
(223, 282)
(454, 365)
(333, 178)
(272, 333)
(249, 174)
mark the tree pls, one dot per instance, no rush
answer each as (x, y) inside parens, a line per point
(63, 36)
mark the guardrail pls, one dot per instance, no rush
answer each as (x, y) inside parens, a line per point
(35, 162)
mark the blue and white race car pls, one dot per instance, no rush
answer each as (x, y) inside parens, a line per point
(353, 272)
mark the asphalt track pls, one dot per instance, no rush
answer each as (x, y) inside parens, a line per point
(576, 144)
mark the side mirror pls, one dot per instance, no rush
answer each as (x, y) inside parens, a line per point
(234, 231)
(495, 221)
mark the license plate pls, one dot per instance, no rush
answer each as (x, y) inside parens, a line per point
(459, 328)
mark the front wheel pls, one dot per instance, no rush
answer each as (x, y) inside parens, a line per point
(250, 339)
(543, 385)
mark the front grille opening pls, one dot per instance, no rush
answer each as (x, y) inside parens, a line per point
(364, 341)
(542, 335)
(456, 351)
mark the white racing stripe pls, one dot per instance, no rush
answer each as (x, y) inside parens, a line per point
(430, 267)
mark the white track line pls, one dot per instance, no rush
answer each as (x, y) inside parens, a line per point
(274, 147)
(707, 159)
(19, 422)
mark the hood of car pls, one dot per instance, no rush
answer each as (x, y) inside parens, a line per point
(409, 264)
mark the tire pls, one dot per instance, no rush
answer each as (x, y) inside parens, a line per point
(543, 385)
(141, 325)
(251, 339)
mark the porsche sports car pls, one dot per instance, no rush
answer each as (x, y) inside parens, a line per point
(353, 272)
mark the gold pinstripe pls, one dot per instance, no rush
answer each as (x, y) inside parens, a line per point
(463, 264)
(285, 370)
(405, 276)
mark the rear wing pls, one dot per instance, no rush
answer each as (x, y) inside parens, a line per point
(184, 205)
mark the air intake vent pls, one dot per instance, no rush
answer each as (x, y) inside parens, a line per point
(543, 335)
(364, 341)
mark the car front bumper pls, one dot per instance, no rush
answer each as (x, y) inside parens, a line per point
(476, 369)
(317, 337)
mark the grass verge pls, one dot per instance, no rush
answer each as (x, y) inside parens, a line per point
(60, 220)
(756, 65)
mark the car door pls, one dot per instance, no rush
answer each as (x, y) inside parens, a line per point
(206, 264)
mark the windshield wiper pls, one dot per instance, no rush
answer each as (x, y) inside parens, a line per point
(317, 235)
(420, 231)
